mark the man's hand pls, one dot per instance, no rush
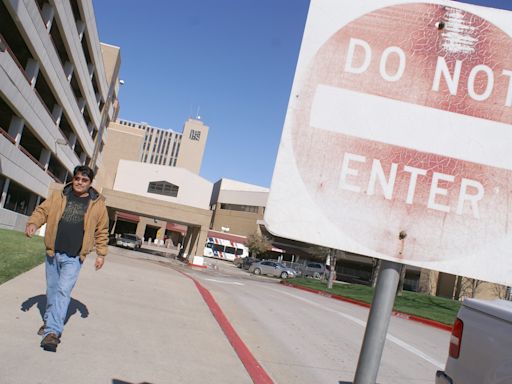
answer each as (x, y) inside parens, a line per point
(30, 229)
(100, 260)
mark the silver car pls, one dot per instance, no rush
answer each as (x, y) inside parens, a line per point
(129, 240)
(272, 268)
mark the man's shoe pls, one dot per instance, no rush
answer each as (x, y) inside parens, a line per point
(50, 342)
(40, 332)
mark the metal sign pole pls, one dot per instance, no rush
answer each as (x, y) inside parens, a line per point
(378, 322)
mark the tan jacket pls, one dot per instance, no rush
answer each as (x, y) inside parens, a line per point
(95, 222)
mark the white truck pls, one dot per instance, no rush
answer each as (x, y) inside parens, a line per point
(480, 349)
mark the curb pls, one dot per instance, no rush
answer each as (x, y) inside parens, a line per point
(253, 368)
(191, 265)
(398, 314)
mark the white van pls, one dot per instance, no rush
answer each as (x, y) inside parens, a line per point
(224, 249)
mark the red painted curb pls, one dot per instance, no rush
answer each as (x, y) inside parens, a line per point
(253, 368)
(196, 266)
(399, 314)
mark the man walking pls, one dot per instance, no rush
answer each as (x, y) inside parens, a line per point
(76, 222)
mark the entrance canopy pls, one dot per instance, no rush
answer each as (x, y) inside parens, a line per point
(196, 219)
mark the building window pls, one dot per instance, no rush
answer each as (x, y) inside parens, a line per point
(195, 135)
(238, 207)
(18, 199)
(163, 188)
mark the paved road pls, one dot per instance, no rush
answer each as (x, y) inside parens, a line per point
(143, 321)
(300, 337)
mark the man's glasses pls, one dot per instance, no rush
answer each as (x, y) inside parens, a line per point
(82, 179)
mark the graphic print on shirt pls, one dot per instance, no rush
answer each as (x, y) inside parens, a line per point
(74, 212)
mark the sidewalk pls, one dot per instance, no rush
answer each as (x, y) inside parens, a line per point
(132, 322)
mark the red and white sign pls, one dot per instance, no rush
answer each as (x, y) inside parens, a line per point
(400, 120)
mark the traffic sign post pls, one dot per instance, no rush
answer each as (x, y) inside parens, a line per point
(378, 323)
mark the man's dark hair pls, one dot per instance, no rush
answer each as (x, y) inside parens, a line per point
(84, 170)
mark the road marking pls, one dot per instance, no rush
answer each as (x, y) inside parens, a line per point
(362, 323)
(252, 366)
(225, 282)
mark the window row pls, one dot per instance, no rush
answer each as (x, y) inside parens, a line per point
(163, 188)
(239, 207)
(22, 55)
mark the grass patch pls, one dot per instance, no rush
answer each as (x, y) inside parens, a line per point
(18, 253)
(417, 304)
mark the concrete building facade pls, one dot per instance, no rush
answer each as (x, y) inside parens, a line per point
(125, 143)
(171, 184)
(160, 200)
(154, 201)
(58, 93)
(237, 206)
(167, 147)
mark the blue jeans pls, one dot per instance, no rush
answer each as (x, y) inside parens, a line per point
(61, 275)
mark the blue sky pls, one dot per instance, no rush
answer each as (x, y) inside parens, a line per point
(231, 60)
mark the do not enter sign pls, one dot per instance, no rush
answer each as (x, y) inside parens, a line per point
(399, 120)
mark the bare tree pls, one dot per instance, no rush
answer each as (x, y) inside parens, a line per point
(258, 244)
(332, 268)
(320, 252)
(469, 287)
(375, 271)
(458, 288)
(400, 289)
(500, 291)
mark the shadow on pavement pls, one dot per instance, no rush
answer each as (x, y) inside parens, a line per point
(154, 252)
(115, 381)
(40, 300)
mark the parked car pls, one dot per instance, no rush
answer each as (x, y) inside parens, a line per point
(244, 262)
(272, 268)
(480, 344)
(129, 240)
(315, 270)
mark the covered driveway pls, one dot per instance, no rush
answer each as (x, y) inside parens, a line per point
(197, 220)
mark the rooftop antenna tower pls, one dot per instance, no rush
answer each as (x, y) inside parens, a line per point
(198, 117)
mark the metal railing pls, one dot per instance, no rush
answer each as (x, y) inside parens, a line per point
(7, 136)
(29, 155)
(24, 73)
(14, 58)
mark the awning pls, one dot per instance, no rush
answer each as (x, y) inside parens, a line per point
(176, 228)
(127, 217)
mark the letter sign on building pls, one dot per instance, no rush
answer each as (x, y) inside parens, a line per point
(400, 120)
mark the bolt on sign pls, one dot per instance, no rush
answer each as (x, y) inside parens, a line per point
(399, 120)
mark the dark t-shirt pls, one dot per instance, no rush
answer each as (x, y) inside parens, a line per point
(70, 233)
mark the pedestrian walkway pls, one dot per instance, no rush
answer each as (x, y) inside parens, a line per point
(132, 322)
